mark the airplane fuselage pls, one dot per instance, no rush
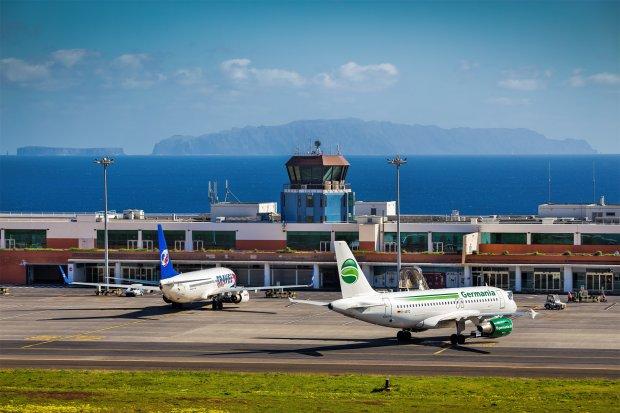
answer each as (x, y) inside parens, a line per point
(200, 285)
(409, 309)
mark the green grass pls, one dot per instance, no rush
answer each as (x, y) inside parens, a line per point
(176, 391)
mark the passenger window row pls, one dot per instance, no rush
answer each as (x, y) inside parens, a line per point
(444, 303)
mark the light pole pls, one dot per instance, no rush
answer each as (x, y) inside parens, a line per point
(397, 161)
(105, 162)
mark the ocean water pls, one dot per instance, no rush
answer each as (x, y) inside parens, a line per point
(429, 185)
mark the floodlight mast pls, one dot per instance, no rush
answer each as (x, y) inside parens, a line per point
(398, 161)
(105, 162)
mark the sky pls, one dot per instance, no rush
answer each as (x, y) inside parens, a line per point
(128, 74)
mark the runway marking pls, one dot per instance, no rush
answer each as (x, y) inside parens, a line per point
(610, 306)
(25, 314)
(63, 338)
(42, 338)
(444, 348)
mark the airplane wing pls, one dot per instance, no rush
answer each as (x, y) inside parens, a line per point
(269, 287)
(103, 285)
(432, 322)
(319, 303)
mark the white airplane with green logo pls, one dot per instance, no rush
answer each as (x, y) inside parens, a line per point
(488, 308)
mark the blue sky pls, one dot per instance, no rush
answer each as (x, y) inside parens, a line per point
(130, 74)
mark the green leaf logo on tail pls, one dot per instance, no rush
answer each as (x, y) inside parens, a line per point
(349, 272)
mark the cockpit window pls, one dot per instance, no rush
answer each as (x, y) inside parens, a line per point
(510, 295)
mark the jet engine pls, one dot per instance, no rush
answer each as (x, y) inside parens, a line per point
(240, 297)
(495, 327)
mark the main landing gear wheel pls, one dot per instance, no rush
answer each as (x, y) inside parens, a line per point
(457, 339)
(403, 335)
(217, 305)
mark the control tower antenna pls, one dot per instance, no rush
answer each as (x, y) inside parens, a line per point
(213, 198)
(549, 182)
(317, 148)
(229, 192)
(338, 149)
(594, 181)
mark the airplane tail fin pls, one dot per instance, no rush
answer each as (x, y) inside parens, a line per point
(352, 280)
(165, 263)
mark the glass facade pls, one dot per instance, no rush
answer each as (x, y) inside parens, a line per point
(306, 240)
(214, 239)
(448, 241)
(171, 237)
(409, 241)
(600, 239)
(351, 238)
(503, 238)
(25, 238)
(117, 239)
(563, 239)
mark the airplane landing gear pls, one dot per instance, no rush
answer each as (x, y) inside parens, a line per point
(217, 305)
(458, 338)
(403, 335)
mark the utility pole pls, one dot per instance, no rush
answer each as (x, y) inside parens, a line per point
(397, 161)
(105, 162)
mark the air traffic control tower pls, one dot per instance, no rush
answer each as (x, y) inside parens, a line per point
(317, 191)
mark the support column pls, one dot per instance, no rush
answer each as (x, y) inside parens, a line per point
(316, 276)
(140, 246)
(2, 240)
(266, 275)
(466, 282)
(528, 238)
(576, 238)
(70, 272)
(568, 278)
(332, 239)
(118, 273)
(518, 279)
(429, 242)
(189, 240)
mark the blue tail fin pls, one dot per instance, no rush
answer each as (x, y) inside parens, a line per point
(165, 263)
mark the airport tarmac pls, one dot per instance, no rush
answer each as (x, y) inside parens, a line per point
(73, 328)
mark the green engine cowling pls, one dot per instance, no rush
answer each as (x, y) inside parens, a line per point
(496, 327)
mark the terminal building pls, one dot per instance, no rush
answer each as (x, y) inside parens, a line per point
(562, 248)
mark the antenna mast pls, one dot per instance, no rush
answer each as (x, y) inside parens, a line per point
(594, 180)
(549, 182)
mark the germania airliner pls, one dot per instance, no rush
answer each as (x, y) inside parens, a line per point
(488, 308)
(216, 285)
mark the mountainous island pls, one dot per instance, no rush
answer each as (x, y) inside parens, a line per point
(358, 137)
(54, 151)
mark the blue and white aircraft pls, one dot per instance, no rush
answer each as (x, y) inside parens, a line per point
(216, 285)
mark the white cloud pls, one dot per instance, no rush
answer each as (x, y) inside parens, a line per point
(236, 69)
(506, 101)
(131, 61)
(69, 57)
(189, 76)
(579, 79)
(145, 81)
(467, 65)
(20, 71)
(606, 78)
(242, 70)
(359, 77)
(521, 84)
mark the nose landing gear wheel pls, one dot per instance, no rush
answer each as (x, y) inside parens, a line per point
(403, 335)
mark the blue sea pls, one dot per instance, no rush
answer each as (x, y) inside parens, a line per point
(479, 185)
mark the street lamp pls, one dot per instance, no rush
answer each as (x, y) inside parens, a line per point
(397, 161)
(105, 162)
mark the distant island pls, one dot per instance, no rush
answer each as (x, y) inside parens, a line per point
(51, 151)
(358, 137)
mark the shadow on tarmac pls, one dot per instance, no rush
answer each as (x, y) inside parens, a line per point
(317, 351)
